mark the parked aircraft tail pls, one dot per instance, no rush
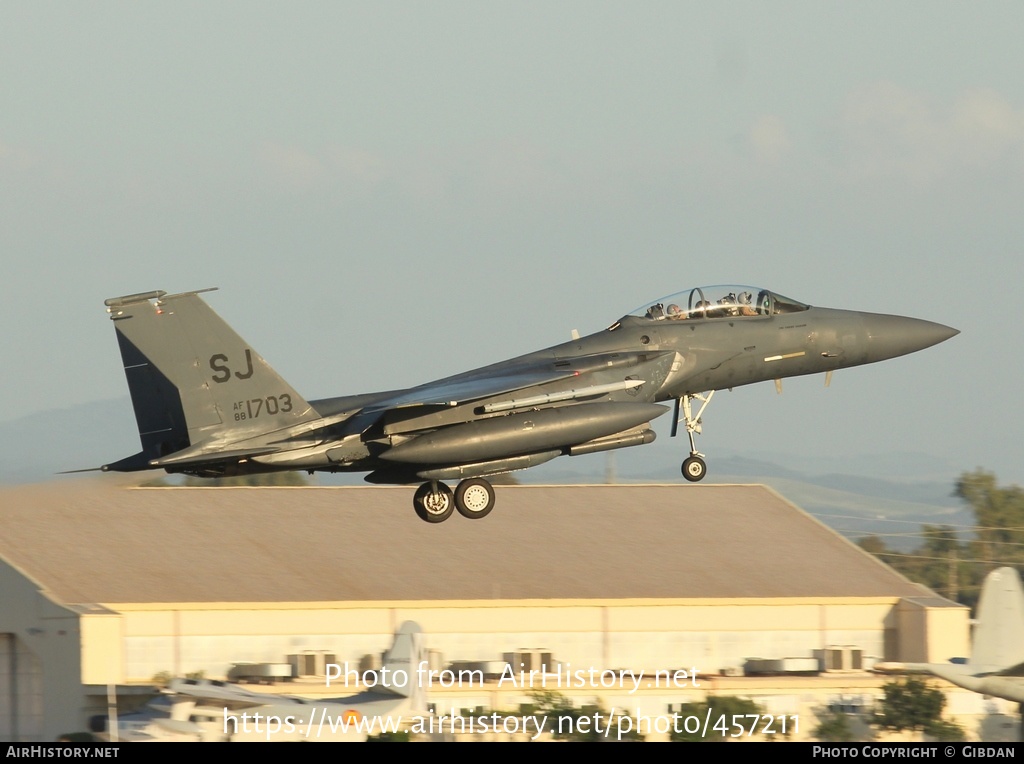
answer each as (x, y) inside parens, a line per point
(404, 664)
(999, 635)
(201, 394)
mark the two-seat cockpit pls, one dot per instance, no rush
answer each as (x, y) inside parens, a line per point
(700, 304)
(724, 301)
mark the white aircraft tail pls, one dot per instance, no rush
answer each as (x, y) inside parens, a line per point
(401, 662)
(999, 635)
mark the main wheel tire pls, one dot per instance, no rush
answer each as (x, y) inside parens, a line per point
(694, 469)
(433, 505)
(474, 498)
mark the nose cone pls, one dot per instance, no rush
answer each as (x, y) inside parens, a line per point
(891, 336)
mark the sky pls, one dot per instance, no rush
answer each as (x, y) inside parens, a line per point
(392, 192)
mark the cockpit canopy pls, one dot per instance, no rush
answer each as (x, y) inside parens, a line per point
(724, 301)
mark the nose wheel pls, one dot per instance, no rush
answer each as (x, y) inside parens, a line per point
(434, 501)
(694, 468)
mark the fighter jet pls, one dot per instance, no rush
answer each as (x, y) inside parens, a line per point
(208, 405)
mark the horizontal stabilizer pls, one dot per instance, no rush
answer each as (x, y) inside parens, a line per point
(197, 455)
(134, 463)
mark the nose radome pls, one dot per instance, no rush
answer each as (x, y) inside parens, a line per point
(891, 336)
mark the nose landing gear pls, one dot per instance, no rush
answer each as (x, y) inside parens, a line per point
(694, 468)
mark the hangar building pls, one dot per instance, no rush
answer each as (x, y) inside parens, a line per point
(106, 585)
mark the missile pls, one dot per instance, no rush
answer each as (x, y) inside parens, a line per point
(564, 395)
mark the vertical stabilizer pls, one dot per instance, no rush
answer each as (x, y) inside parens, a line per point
(192, 379)
(999, 635)
(402, 663)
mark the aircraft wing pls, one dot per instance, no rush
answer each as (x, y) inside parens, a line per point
(1014, 671)
(997, 685)
(225, 693)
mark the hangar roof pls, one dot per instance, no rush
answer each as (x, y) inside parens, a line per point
(96, 542)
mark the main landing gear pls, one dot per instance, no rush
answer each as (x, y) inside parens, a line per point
(434, 501)
(694, 469)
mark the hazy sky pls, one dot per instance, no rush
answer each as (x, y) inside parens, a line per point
(388, 193)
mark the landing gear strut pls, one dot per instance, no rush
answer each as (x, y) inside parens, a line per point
(694, 469)
(434, 501)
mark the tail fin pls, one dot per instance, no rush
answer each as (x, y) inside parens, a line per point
(999, 635)
(195, 384)
(401, 663)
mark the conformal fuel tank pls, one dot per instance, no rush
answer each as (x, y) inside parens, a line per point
(523, 432)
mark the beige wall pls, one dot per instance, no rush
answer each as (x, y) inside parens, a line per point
(102, 649)
(932, 634)
(640, 634)
(53, 702)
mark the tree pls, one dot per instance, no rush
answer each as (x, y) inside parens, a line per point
(390, 737)
(873, 545)
(834, 727)
(912, 704)
(956, 567)
(720, 723)
(999, 513)
(941, 562)
(162, 678)
(586, 724)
